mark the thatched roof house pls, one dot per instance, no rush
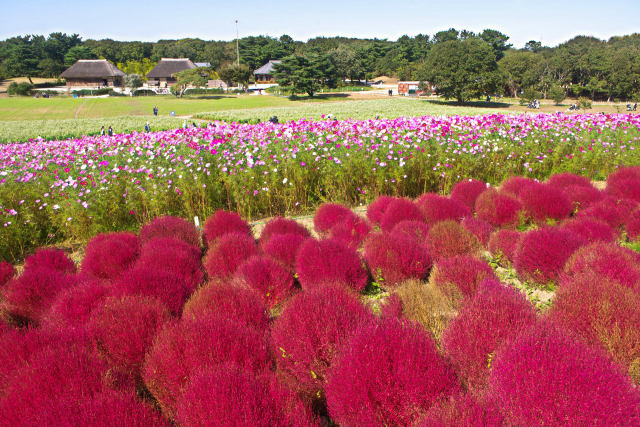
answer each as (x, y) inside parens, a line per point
(93, 73)
(161, 74)
(264, 74)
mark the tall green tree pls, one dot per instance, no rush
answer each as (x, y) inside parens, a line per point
(305, 75)
(78, 52)
(195, 77)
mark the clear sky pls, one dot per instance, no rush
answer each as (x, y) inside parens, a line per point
(551, 22)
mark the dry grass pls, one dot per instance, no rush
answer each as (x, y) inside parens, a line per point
(4, 84)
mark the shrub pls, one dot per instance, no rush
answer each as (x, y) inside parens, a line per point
(462, 410)
(602, 312)
(123, 329)
(607, 260)
(541, 254)
(107, 255)
(584, 103)
(329, 214)
(544, 377)
(283, 248)
(504, 243)
(542, 202)
(273, 281)
(448, 238)
(592, 230)
(479, 228)
(610, 210)
(623, 174)
(393, 258)
(467, 191)
(321, 262)
(632, 226)
(495, 313)
(515, 184)
(625, 189)
(557, 94)
(183, 348)
(172, 290)
(461, 275)
(308, 333)
(221, 223)
(51, 259)
(567, 180)
(280, 225)
(230, 250)
(7, 271)
(498, 209)
(399, 210)
(414, 230)
(240, 304)
(582, 197)
(351, 231)
(374, 381)
(231, 396)
(20, 89)
(377, 208)
(170, 226)
(436, 208)
(173, 256)
(72, 306)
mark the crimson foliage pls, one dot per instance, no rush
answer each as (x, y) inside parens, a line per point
(221, 223)
(170, 227)
(463, 271)
(467, 191)
(394, 258)
(73, 306)
(504, 242)
(415, 230)
(173, 256)
(273, 281)
(51, 259)
(399, 210)
(479, 228)
(329, 214)
(498, 209)
(463, 410)
(352, 231)
(437, 208)
(283, 248)
(542, 202)
(592, 230)
(566, 180)
(448, 238)
(7, 271)
(280, 225)
(377, 208)
(515, 184)
(230, 250)
(107, 255)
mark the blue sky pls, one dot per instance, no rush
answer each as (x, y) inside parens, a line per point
(551, 22)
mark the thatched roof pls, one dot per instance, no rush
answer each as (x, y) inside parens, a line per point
(92, 69)
(267, 68)
(168, 66)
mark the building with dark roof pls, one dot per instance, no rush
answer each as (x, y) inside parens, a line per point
(93, 73)
(162, 74)
(264, 74)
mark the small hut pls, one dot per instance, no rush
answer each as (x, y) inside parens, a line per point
(162, 74)
(93, 73)
(264, 74)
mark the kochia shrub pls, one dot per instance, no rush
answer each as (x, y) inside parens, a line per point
(613, 211)
(170, 227)
(221, 223)
(479, 228)
(461, 275)
(568, 180)
(399, 210)
(632, 226)
(592, 230)
(625, 188)
(464, 410)
(415, 230)
(436, 208)
(377, 208)
(329, 214)
(352, 231)
(72, 307)
(544, 377)
(542, 202)
(107, 255)
(393, 258)
(230, 250)
(623, 174)
(448, 238)
(375, 380)
(467, 191)
(515, 184)
(498, 209)
(7, 271)
(582, 197)
(322, 262)
(280, 225)
(51, 259)
(504, 243)
(272, 280)
(173, 256)
(283, 248)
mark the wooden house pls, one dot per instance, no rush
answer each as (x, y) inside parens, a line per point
(162, 74)
(93, 73)
(264, 74)
(411, 88)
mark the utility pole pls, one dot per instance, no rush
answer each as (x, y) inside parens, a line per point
(237, 45)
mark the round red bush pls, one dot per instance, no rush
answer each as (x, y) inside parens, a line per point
(625, 189)
(462, 410)
(541, 254)
(280, 225)
(632, 226)
(273, 281)
(565, 180)
(495, 313)
(624, 173)
(464, 272)
(515, 184)
(393, 258)
(283, 248)
(582, 197)
(240, 304)
(351, 231)
(123, 329)
(329, 214)
(309, 332)
(448, 238)
(108, 255)
(223, 222)
(173, 256)
(436, 208)
(467, 191)
(544, 377)
(542, 202)
(7, 271)
(51, 259)
(321, 262)
(414, 230)
(72, 306)
(399, 210)
(479, 228)
(231, 250)
(592, 230)
(498, 209)
(377, 208)
(610, 210)
(376, 381)
(183, 348)
(504, 242)
(170, 227)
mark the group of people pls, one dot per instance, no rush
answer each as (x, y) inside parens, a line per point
(534, 104)
(633, 107)
(109, 131)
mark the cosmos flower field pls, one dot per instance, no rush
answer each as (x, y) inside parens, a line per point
(52, 191)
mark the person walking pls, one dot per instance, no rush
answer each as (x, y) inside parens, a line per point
(102, 131)
(147, 128)
(110, 131)
(155, 110)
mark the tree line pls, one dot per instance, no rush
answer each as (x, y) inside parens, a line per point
(462, 64)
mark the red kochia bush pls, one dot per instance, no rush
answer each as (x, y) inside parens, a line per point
(329, 214)
(479, 228)
(495, 313)
(123, 329)
(72, 306)
(395, 258)
(541, 253)
(181, 349)
(624, 173)
(377, 208)
(504, 242)
(610, 210)
(108, 255)
(582, 197)
(268, 277)
(625, 188)
(414, 230)
(321, 262)
(462, 410)
(448, 238)
(542, 202)
(7, 271)
(230, 250)
(377, 380)
(240, 304)
(464, 272)
(467, 191)
(498, 209)
(565, 180)
(352, 231)
(51, 259)
(170, 227)
(435, 208)
(280, 225)
(173, 256)
(515, 184)
(223, 222)
(399, 210)
(592, 230)
(543, 377)
(283, 248)
(231, 396)
(632, 226)
(309, 332)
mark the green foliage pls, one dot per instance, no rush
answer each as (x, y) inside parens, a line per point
(141, 67)
(584, 103)
(196, 77)
(300, 74)
(132, 81)
(528, 95)
(231, 73)
(21, 89)
(556, 93)
(78, 52)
